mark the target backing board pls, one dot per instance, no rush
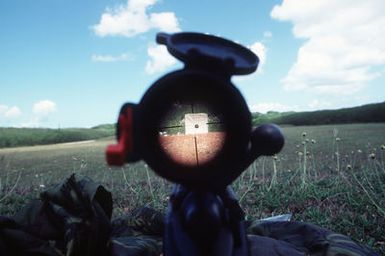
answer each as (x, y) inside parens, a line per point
(196, 123)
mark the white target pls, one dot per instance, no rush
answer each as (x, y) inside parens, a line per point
(196, 123)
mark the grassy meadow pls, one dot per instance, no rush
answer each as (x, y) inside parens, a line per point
(331, 175)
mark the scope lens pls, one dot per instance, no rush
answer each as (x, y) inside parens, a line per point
(191, 133)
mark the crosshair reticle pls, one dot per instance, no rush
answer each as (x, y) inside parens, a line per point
(191, 133)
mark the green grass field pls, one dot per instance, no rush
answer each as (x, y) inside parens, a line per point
(332, 175)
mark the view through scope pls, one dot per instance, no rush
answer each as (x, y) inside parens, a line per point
(192, 133)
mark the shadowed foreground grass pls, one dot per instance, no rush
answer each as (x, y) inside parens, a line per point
(333, 176)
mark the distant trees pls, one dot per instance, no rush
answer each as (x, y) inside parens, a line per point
(13, 137)
(371, 113)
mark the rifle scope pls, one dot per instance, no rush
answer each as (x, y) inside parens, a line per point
(192, 126)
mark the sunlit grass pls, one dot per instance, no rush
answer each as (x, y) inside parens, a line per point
(333, 176)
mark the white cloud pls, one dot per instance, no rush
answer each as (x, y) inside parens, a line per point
(133, 19)
(13, 112)
(9, 112)
(3, 108)
(44, 108)
(260, 50)
(41, 114)
(318, 104)
(32, 123)
(345, 43)
(267, 34)
(264, 107)
(160, 59)
(110, 58)
(165, 21)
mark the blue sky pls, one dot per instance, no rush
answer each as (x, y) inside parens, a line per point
(68, 63)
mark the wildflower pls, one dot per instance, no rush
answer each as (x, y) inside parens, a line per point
(338, 139)
(359, 151)
(313, 141)
(42, 186)
(349, 167)
(382, 147)
(304, 134)
(300, 153)
(275, 157)
(372, 156)
(83, 164)
(303, 142)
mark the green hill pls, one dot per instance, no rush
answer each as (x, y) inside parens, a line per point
(105, 127)
(371, 113)
(14, 137)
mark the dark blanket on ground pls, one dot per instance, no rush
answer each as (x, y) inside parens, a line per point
(74, 218)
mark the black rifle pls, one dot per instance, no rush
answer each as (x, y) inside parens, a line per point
(193, 127)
